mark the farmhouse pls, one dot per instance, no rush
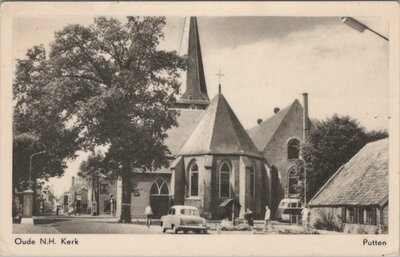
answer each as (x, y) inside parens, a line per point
(357, 194)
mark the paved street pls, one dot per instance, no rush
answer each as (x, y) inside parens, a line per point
(82, 225)
(108, 225)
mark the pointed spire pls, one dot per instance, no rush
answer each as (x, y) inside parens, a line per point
(196, 89)
(219, 88)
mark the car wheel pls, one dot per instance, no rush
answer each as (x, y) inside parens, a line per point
(185, 231)
(205, 231)
(164, 229)
(174, 229)
(198, 231)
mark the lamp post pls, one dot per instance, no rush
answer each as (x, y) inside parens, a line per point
(28, 196)
(355, 24)
(30, 166)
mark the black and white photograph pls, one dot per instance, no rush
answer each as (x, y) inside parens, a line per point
(192, 125)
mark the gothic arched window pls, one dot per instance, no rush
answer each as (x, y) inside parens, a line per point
(293, 149)
(252, 181)
(159, 187)
(224, 180)
(194, 179)
(293, 180)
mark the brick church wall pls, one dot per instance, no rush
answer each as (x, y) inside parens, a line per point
(276, 150)
(140, 198)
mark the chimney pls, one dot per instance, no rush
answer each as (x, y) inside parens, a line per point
(73, 181)
(305, 116)
(259, 121)
(276, 110)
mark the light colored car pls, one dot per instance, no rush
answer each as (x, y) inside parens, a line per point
(183, 218)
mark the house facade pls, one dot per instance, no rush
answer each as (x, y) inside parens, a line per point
(77, 197)
(107, 190)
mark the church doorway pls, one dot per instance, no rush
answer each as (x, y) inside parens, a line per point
(159, 198)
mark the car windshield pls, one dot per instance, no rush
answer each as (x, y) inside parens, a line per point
(189, 212)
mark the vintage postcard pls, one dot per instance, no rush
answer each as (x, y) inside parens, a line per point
(199, 128)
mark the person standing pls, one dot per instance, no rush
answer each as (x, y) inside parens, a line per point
(267, 217)
(249, 217)
(149, 214)
(305, 217)
(78, 207)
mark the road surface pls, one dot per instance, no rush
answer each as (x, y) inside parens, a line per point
(108, 225)
(82, 225)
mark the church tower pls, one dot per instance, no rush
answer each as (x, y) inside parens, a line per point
(195, 96)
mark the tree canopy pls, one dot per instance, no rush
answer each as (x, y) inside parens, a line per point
(104, 84)
(38, 120)
(332, 143)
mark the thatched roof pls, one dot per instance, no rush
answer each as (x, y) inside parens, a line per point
(219, 132)
(361, 181)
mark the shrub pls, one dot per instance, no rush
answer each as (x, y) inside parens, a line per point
(328, 221)
(361, 230)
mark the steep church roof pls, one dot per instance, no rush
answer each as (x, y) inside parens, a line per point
(361, 181)
(219, 132)
(196, 89)
(187, 119)
(262, 133)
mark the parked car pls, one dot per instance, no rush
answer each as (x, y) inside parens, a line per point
(289, 210)
(183, 218)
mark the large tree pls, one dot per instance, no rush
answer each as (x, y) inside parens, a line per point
(38, 123)
(332, 143)
(110, 82)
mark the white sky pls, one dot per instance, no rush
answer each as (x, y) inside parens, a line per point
(268, 62)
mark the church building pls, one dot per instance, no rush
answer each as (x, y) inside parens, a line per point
(213, 158)
(278, 138)
(217, 162)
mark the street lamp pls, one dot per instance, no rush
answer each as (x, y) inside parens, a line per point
(355, 24)
(30, 165)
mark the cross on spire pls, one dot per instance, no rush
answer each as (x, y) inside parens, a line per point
(219, 74)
